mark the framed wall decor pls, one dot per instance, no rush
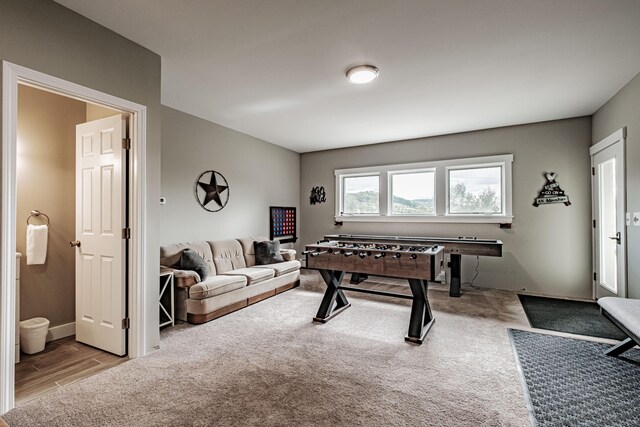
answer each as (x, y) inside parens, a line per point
(212, 191)
(282, 224)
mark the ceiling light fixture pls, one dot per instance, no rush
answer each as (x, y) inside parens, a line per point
(362, 74)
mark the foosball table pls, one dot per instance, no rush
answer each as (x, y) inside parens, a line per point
(454, 247)
(419, 263)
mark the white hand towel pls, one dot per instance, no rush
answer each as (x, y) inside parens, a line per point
(37, 244)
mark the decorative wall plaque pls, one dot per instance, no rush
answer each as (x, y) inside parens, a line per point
(212, 191)
(551, 193)
(317, 195)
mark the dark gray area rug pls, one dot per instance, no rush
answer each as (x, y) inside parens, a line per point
(570, 382)
(574, 317)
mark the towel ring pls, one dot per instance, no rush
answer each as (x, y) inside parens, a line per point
(37, 213)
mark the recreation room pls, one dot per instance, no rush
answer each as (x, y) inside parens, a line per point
(297, 213)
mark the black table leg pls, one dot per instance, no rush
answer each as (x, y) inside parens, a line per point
(421, 317)
(454, 264)
(334, 301)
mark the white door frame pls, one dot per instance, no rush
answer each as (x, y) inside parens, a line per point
(12, 75)
(616, 137)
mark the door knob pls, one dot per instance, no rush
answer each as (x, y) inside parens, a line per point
(75, 243)
(616, 237)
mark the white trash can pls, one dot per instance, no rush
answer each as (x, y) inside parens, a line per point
(33, 334)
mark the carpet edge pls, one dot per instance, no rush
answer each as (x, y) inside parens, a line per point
(523, 381)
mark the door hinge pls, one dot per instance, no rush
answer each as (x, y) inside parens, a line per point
(594, 223)
(594, 276)
(126, 233)
(126, 323)
(126, 143)
(593, 171)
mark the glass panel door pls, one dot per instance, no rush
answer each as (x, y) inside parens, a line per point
(606, 178)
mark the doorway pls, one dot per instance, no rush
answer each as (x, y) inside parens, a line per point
(12, 76)
(609, 223)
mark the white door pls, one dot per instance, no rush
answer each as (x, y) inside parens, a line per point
(100, 219)
(608, 198)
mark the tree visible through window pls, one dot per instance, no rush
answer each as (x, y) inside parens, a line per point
(475, 191)
(361, 195)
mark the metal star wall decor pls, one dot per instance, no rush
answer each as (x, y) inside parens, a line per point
(212, 191)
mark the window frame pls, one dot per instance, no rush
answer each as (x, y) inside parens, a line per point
(342, 192)
(441, 190)
(392, 173)
(480, 166)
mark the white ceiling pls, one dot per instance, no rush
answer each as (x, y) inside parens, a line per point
(275, 69)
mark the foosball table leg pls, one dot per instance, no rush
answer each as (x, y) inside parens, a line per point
(334, 301)
(421, 317)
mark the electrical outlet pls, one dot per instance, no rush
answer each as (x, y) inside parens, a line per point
(636, 218)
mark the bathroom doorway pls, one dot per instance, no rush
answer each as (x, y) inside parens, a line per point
(50, 192)
(139, 322)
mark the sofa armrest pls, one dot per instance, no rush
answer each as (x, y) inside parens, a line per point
(183, 278)
(288, 254)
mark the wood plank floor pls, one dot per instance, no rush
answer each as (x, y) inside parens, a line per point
(62, 362)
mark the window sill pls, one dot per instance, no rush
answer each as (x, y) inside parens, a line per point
(472, 219)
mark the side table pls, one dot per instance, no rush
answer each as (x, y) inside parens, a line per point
(167, 315)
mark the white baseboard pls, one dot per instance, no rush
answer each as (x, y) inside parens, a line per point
(61, 331)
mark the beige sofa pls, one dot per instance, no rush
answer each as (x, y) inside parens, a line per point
(234, 280)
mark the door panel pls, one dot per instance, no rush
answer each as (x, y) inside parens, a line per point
(609, 215)
(100, 217)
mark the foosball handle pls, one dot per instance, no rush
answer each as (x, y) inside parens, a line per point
(378, 256)
(397, 255)
(348, 253)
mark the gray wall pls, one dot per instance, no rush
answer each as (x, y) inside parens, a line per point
(45, 36)
(620, 111)
(548, 250)
(46, 181)
(259, 175)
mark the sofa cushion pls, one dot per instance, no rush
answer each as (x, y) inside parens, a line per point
(248, 249)
(253, 274)
(227, 255)
(170, 255)
(267, 252)
(282, 267)
(216, 285)
(190, 260)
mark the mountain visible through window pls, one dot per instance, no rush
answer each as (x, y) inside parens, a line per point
(412, 193)
(361, 195)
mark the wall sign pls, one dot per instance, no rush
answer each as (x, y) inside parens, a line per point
(317, 195)
(551, 192)
(212, 191)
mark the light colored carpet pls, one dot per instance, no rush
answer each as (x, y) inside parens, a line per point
(269, 365)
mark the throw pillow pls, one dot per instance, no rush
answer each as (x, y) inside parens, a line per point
(267, 252)
(190, 260)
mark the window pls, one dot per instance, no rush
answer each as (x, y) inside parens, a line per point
(361, 195)
(458, 190)
(475, 191)
(412, 193)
